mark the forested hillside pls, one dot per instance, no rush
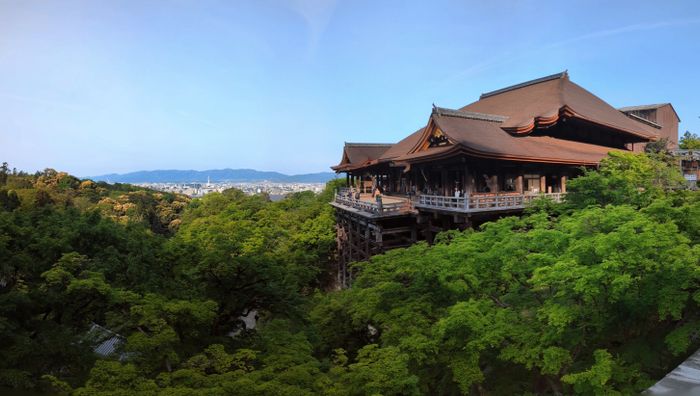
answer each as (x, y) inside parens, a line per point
(599, 295)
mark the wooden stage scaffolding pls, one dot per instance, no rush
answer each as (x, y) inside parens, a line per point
(366, 226)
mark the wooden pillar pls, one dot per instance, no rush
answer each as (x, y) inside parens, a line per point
(347, 179)
(563, 184)
(443, 181)
(493, 183)
(367, 253)
(351, 240)
(543, 184)
(471, 182)
(401, 183)
(519, 184)
(466, 187)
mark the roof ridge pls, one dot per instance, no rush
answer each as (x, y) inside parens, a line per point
(643, 107)
(471, 115)
(564, 74)
(368, 144)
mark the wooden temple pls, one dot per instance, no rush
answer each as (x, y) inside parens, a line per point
(486, 159)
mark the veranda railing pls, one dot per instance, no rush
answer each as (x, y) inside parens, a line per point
(482, 203)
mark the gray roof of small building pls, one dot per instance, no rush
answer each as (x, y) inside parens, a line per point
(649, 107)
(106, 340)
(683, 380)
(643, 107)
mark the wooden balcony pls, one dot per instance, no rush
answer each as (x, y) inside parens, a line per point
(482, 202)
(368, 206)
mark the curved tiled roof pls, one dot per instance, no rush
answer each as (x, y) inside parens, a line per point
(486, 139)
(500, 123)
(542, 102)
(360, 154)
(402, 147)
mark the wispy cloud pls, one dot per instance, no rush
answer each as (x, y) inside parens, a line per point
(507, 57)
(317, 15)
(624, 30)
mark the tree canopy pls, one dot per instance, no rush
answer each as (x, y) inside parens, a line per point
(689, 141)
(597, 295)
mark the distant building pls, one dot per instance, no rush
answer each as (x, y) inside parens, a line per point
(662, 117)
(684, 380)
(481, 161)
(106, 342)
(690, 166)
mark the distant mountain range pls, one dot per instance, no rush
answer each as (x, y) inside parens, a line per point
(215, 175)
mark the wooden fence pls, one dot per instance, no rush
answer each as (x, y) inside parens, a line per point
(482, 203)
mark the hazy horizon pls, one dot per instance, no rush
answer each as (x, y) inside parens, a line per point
(201, 171)
(94, 88)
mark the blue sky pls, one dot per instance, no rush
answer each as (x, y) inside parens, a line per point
(94, 87)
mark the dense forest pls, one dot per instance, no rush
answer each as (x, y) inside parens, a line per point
(598, 295)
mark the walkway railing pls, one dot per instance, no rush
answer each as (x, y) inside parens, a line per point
(377, 208)
(467, 204)
(482, 203)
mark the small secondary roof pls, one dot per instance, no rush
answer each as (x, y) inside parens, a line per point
(628, 109)
(360, 154)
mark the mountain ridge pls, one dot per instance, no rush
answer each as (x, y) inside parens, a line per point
(214, 175)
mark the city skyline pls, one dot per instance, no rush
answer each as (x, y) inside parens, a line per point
(94, 88)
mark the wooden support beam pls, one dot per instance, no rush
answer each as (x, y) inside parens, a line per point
(469, 186)
(543, 184)
(493, 183)
(519, 184)
(443, 181)
(366, 242)
(563, 184)
(397, 230)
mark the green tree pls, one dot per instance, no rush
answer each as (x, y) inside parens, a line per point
(9, 200)
(658, 147)
(161, 327)
(625, 178)
(382, 371)
(689, 141)
(4, 173)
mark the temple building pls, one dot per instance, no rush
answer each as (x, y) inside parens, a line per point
(481, 161)
(690, 166)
